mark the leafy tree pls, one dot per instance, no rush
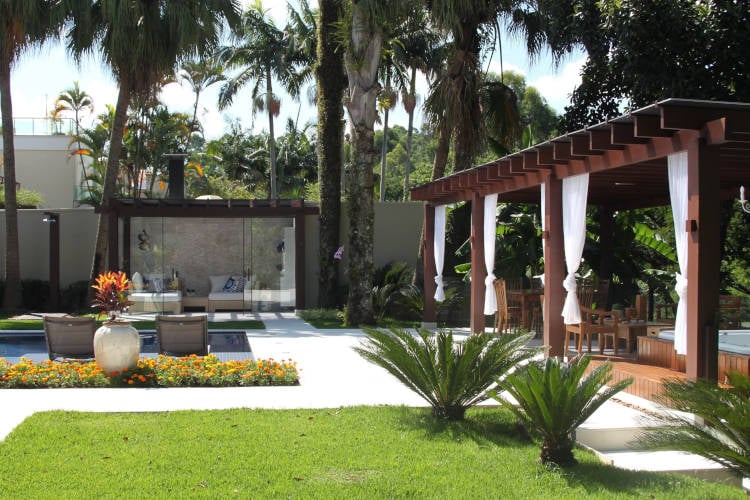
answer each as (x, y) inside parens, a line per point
(331, 82)
(297, 159)
(261, 51)
(240, 157)
(553, 398)
(141, 41)
(450, 376)
(23, 25)
(201, 74)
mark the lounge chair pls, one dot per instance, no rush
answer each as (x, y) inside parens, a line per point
(69, 337)
(182, 335)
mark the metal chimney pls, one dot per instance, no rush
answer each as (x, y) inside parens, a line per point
(176, 175)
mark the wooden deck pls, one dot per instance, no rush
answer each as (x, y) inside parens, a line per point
(648, 378)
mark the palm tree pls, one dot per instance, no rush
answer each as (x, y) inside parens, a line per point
(200, 74)
(23, 25)
(364, 40)
(331, 82)
(262, 52)
(76, 101)
(141, 41)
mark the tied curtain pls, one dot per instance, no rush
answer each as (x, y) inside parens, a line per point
(574, 193)
(677, 165)
(439, 251)
(490, 208)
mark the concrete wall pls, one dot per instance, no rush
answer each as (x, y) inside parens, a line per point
(77, 238)
(43, 165)
(397, 231)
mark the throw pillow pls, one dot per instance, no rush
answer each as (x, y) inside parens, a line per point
(234, 285)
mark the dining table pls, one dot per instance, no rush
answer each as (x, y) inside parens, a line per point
(527, 299)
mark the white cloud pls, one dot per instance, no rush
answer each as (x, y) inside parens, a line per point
(557, 87)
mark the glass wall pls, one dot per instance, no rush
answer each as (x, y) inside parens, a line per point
(246, 264)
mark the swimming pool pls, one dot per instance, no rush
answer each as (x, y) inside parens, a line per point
(225, 345)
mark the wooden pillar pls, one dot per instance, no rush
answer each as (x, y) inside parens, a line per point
(606, 235)
(704, 249)
(428, 264)
(53, 221)
(299, 260)
(554, 268)
(477, 321)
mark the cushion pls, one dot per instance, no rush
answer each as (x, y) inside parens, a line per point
(218, 282)
(234, 284)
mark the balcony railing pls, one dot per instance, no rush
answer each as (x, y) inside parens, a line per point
(43, 126)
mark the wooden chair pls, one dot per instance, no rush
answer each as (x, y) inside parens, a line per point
(601, 294)
(505, 315)
(69, 337)
(182, 335)
(729, 312)
(599, 322)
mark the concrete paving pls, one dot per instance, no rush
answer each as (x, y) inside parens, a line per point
(332, 375)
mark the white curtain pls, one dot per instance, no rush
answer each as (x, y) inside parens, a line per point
(490, 208)
(678, 194)
(542, 206)
(575, 190)
(439, 250)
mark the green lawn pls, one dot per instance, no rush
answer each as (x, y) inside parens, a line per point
(363, 452)
(36, 324)
(332, 318)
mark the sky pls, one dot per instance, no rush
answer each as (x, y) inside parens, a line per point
(38, 77)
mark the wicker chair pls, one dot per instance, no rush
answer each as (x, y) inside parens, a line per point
(599, 322)
(182, 335)
(69, 337)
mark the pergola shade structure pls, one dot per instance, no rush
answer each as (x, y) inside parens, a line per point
(626, 159)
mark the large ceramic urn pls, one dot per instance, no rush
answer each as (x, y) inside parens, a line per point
(116, 346)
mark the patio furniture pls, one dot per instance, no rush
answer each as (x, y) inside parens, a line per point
(526, 300)
(69, 337)
(505, 314)
(729, 312)
(599, 322)
(166, 301)
(182, 335)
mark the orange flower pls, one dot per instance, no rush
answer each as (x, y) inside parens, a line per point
(111, 293)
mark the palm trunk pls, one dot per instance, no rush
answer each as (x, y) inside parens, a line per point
(362, 61)
(271, 139)
(110, 183)
(331, 84)
(410, 130)
(12, 293)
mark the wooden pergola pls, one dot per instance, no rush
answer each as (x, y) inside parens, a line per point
(626, 159)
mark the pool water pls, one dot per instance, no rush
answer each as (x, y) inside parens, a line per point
(225, 345)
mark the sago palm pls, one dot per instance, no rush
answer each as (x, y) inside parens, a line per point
(724, 433)
(554, 398)
(451, 376)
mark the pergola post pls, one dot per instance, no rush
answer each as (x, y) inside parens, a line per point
(554, 268)
(428, 264)
(704, 249)
(478, 273)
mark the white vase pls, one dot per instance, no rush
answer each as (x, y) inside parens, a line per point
(116, 346)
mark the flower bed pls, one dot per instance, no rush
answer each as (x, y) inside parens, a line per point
(164, 371)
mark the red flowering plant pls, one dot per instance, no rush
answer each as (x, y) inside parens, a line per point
(111, 294)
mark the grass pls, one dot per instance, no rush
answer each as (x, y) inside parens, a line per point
(362, 452)
(333, 318)
(36, 324)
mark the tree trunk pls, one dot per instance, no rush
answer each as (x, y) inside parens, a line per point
(12, 294)
(331, 84)
(362, 59)
(271, 139)
(410, 130)
(110, 183)
(384, 149)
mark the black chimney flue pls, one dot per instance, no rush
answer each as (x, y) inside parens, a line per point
(176, 172)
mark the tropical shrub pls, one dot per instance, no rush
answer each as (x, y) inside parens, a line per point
(450, 375)
(721, 434)
(554, 398)
(24, 198)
